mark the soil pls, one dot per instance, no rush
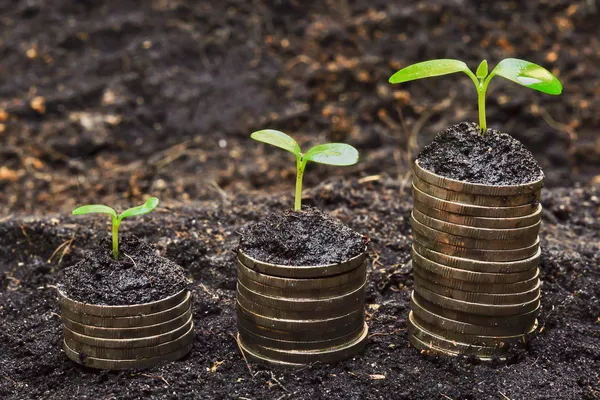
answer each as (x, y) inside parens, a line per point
(139, 276)
(111, 101)
(461, 152)
(301, 238)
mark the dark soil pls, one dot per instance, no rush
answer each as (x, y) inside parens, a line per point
(307, 237)
(461, 152)
(140, 275)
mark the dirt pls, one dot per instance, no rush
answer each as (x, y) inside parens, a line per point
(140, 275)
(461, 152)
(112, 101)
(307, 237)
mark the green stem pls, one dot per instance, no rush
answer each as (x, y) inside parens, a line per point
(481, 89)
(300, 165)
(115, 237)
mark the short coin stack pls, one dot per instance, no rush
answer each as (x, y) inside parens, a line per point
(127, 337)
(293, 316)
(475, 261)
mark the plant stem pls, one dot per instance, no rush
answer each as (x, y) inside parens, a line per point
(481, 89)
(300, 165)
(115, 237)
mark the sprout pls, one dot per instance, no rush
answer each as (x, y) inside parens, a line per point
(145, 208)
(329, 153)
(522, 72)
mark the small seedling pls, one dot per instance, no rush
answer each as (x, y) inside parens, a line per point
(145, 208)
(329, 153)
(522, 72)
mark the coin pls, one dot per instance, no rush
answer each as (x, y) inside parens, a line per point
(294, 292)
(460, 241)
(476, 265)
(329, 355)
(128, 343)
(493, 288)
(523, 321)
(477, 308)
(129, 322)
(304, 284)
(480, 340)
(446, 324)
(420, 262)
(473, 210)
(347, 301)
(100, 363)
(477, 188)
(252, 338)
(127, 333)
(481, 222)
(121, 311)
(133, 353)
(306, 271)
(476, 199)
(478, 297)
(526, 233)
(478, 254)
(282, 324)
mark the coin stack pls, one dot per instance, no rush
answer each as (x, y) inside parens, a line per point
(127, 337)
(293, 316)
(475, 261)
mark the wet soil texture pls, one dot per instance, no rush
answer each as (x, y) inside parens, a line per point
(563, 359)
(118, 99)
(139, 276)
(461, 152)
(303, 238)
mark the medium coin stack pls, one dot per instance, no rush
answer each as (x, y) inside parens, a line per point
(293, 316)
(475, 261)
(127, 337)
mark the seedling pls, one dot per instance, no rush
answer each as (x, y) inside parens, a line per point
(145, 208)
(522, 72)
(329, 153)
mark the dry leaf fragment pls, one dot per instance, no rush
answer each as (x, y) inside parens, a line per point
(377, 377)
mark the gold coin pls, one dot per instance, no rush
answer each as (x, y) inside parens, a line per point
(304, 284)
(477, 188)
(478, 254)
(147, 341)
(129, 322)
(133, 353)
(142, 363)
(306, 271)
(523, 321)
(481, 222)
(420, 262)
(446, 324)
(476, 265)
(476, 199)
(473, 210)
(460, 241)
(528, 233)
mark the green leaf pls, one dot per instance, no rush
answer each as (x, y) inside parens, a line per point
(145, 208)
(528, 74)
(333, 154)
(428, 69)
(95, 208)
(482, 70)
(277, 139)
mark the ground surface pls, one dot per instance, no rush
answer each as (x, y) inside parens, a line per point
(110, 101)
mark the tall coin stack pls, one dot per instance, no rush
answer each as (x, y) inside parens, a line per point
(293, 316)
(475, 261)
(127, 337)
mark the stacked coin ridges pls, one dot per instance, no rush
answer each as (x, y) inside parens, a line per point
(297, 315)
(127, 337)
(475, 258)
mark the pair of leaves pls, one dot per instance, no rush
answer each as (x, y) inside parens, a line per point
(522, 72)
(145, 208)
(330, 153)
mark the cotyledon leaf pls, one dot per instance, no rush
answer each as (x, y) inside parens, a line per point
(95, 208)
(528, 74)
(428, 69)
(145, 208)
(277, 139)
(333, 154)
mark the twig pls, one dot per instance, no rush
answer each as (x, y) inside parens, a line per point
(446, 397)
(25, 234)
(156, 377)
(279, 383)
(12, 380)
(505, 396)
(387, 333)
(5, 218)
(243, 355)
